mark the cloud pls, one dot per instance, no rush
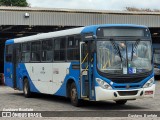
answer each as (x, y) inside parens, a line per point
(95, 4)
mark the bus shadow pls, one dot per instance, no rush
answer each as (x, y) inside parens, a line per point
(52, 98)
(46, 97)
(109, 105)
(86, 105)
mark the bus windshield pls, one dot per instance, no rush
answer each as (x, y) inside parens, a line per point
(124, 57)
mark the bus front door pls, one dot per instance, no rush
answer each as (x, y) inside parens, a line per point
(86, 71)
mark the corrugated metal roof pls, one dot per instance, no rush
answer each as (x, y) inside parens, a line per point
(74, 17)
(4, 8)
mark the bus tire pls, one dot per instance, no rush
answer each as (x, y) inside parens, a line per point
(74, 96)
(121, 102)
(26, 88)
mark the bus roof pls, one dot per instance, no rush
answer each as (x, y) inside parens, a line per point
(73, 31)
(49, 35)
(93, 28)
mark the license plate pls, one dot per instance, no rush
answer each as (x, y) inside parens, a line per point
(148, 92)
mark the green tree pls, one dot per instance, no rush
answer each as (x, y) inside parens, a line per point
(21, 3)
(141, 9)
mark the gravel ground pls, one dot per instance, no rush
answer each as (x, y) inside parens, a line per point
(14, 99)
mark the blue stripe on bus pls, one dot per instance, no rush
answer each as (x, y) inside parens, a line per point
(24, 73)
(74, 75)
(8, 74)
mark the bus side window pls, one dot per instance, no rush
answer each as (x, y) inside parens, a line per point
(35, 51)
(47, 50)
(59, 49)
(25, 52)
(9, 53)
(73, 48)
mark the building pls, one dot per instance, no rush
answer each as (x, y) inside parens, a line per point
(24, 21)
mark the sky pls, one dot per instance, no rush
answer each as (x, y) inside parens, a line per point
(96, 4)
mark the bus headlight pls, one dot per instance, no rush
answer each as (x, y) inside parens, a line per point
(103, 84)
(149, 83)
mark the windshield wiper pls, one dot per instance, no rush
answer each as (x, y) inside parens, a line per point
(116, 48)
(134, 47)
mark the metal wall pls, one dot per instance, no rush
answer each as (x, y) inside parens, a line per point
(50, 18)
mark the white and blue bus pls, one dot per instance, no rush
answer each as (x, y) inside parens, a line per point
(98, 63)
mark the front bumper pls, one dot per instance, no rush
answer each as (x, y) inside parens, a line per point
(103, 94)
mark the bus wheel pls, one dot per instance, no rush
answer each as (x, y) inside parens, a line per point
(74, 95)
(121, 102)
(26, 88)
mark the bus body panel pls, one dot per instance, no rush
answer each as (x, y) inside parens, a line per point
(8, 71)
(50, 80)
(101, 94)
(47, 77)
(71, 74)
(23, 73)
(39, 76)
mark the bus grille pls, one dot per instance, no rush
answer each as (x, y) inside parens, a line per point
(127, 80)
(131, 86)
(126, 93)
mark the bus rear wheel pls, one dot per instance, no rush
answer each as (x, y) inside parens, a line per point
(74, 96)
(26, 88)
(121, 102)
